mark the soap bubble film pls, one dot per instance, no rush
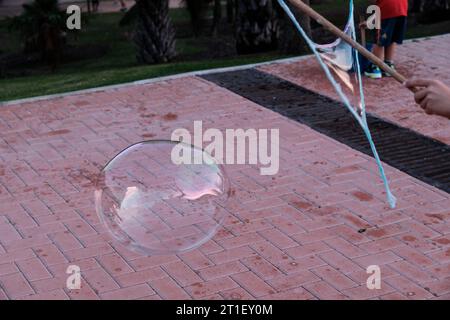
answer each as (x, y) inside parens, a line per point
(154, 205)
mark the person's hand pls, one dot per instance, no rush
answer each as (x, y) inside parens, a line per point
(433, 96)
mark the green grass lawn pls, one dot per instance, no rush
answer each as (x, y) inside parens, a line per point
(119, 65)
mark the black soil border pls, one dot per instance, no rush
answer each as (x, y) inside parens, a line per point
(417, 155)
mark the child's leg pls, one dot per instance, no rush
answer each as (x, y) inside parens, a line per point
(378, 51)
(390, 52)
(372, 71)
(398, 34)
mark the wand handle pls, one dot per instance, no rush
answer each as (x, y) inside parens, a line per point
(338, 32)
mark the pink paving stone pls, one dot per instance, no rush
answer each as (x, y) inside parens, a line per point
(253, 284)
(339, 261)
(138, 277)
(236, 294)
(49, 284)
(84, 293)
(401, 109)
(143, 263)
(363, 293)
(284, 283)
(323, 290)
(413, 272)
(83, 253)
(15, 285)
(50, 254)
(33, 269)
(51, 295)
(438, 288)
(114, 264)
(167, 288)
(232, 254)
(222, 270)
(8, 268)
(334, 277)
(129, 293)
(439, 271)
(3, 295)
(65, 240)
(263, 268)
(196, 260)
(291, 236)
(181, 273)
(346, 248)
(203, 289)
(80, 228)
(278, 238)
(100, 280)
(408, 288)
(16, 255)
(307, 249)
(294, 294)
(152, 297)
(393, 296)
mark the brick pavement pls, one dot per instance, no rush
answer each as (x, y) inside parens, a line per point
(422, 58)
(307, 233)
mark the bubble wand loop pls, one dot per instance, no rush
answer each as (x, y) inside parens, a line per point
(361, 118)
(300, 5)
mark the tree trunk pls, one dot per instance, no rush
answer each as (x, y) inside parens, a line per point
(256, 26)
(291, 42)
(231, 6)
(154, 35)
(217, 16)
(197, 11)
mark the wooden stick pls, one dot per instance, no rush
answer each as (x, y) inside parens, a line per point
(338, 32)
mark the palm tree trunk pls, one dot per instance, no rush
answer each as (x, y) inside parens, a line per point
(230, 11)
(197, 10)
(256, 26)
(154, 35)
(217, 16)
(88, 2)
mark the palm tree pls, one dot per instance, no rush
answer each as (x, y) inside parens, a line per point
(424, 5)
(430, 11)
(154, 35)
(41, 25)
(256, 26)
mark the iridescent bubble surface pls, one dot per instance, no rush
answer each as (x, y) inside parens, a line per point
(162, 197)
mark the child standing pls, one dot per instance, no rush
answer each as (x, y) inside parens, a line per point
(393, 27)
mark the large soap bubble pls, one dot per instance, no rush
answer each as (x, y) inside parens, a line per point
(162, 197)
